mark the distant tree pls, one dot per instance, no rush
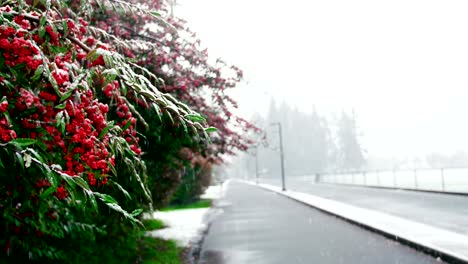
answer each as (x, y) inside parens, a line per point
(332, 155)
(306, 139)
(318, 142)
(310, 145)
(350, 154)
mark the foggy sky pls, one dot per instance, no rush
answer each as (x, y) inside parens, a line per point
(402, 65)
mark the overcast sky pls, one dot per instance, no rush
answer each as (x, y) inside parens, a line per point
(401, 64)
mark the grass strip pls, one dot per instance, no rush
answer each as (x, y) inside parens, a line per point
(204, 203)
(156, 251)
(153, 224)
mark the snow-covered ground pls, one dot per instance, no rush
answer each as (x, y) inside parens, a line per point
(215, 192)
(187, 226)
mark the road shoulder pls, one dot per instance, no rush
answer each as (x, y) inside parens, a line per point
(441, 243)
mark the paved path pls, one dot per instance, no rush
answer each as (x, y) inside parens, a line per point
(259, 226)
(449, 212)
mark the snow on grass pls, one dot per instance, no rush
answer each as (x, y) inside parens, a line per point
(185, 226)
(182, 225)
(215, 192)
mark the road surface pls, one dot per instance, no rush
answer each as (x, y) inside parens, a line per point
(445, 211)
(259, 226)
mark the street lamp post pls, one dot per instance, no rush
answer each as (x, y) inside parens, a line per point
(281, 154)
(256, 162)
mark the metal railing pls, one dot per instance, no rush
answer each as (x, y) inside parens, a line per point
(441, 180)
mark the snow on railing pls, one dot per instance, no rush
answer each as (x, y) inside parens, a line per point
(442, 180)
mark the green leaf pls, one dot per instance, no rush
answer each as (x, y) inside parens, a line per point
(108, 61)
(122, 190)
(49, 191)
(137, 212)
(106, 129)
(195, 118)
(42, 32)
(123, 88)
(61, 106)
(20, 159)
(51, 178)
(127, 125)
(206, 136)
(52, 81)
(38, 73)
(65, 28)
(170, 117)
(106, 198)
(71, 192)
(176, 110)
(184, 125)
(119, 209)
(114, 171)
(155, 13)
(82, 183)
(112, 73)
(68, 179)
(161, 101)
(211, 129)
(92, 55)
(42, 21)
(58, 49)
(22, 142)
(78, 80)
(59, 117)
(9, 84)
(92, 200)
(66, 95)
(158, 111)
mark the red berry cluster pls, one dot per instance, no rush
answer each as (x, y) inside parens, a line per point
(17, 50)
(60, 75)
(83, 152)
(100, 59)
(81, 148)
(61, 193)
(23, 22)
(124, 113)
(72, 135)
(3, 107)
(41, 183)
(89, 153)
(6, 133)
(54, 36)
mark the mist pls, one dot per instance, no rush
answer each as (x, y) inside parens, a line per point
(400, 66)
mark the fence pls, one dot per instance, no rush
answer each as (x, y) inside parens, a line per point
(442, 180)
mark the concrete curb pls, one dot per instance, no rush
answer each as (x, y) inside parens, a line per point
(446, 245)
(196, 244)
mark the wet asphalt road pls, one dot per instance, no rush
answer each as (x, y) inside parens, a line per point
(258, 226)
(448, 212)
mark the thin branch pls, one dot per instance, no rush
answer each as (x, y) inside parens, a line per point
(37, 19)
(149, 12)
(79, 43)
